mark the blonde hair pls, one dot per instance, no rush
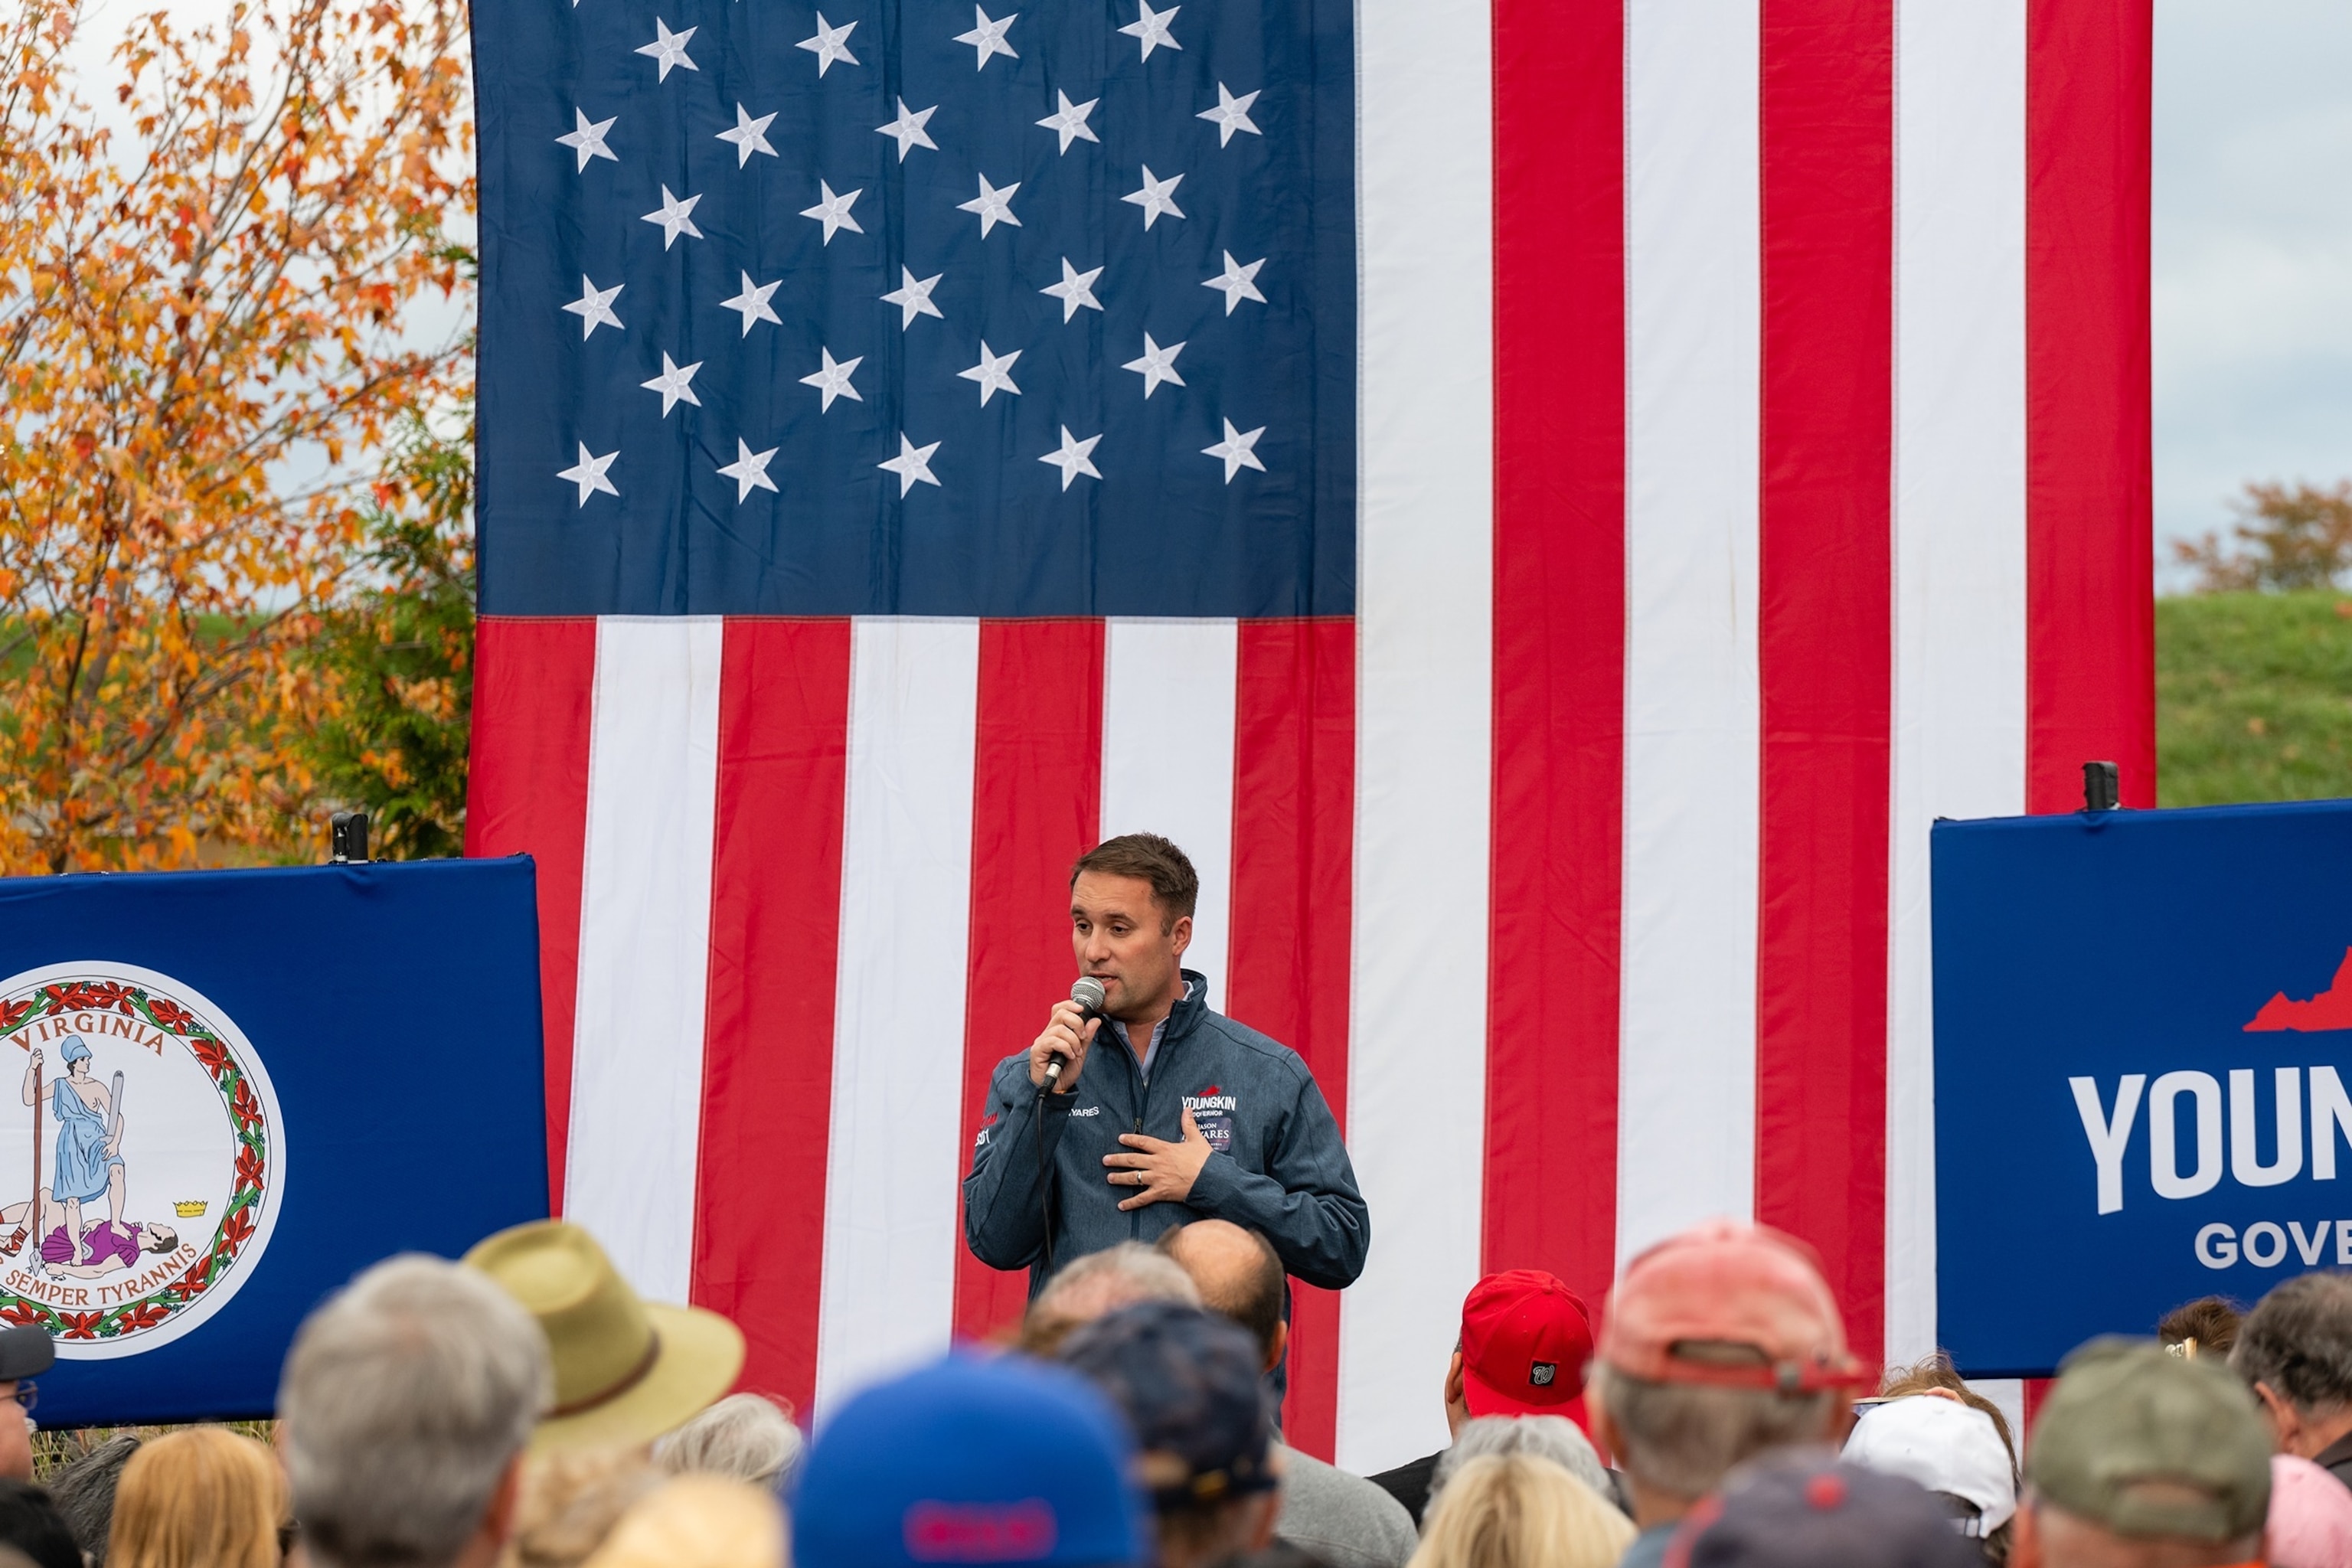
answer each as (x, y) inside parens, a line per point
(698, 1521)
(1519, 1511)
(203, 1498)
(570, 1502)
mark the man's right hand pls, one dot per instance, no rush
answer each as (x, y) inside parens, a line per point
(1068, 1035)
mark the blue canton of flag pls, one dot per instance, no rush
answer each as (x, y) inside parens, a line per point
(917, 307)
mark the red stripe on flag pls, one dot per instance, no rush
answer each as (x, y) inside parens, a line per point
(775, 924)
(1293, 887)
(2090, 612)
(1824, 637)
(526, 793)
(1036, 805)
(1557, 866)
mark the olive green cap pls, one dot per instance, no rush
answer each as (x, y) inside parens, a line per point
(2144, 1443)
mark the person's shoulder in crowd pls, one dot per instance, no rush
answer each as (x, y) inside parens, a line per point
(1409, 1484)
(1344, 1520)
(1649, 1547)
(29, 1524)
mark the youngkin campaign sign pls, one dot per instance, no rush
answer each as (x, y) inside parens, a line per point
(2143, 1043)
(240, 1088)
(1544, 500)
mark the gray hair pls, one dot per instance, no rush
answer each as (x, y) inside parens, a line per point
(1683, 1438)
(84, 1493)
(744, 1436)
(1100, 1284)
(406, 1398)
(1553, 1438)
(2298, 1340)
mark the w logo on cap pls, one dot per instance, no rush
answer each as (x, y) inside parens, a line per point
(1542, 1372)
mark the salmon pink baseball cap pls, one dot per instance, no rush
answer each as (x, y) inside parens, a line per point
(1721, 1284)
(1526, 1342)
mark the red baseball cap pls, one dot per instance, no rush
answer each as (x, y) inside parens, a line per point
(1526, 1342)
(1723, 1283)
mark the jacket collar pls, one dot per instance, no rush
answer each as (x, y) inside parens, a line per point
(1190, 1009)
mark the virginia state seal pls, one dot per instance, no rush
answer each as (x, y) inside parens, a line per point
(141, 1168)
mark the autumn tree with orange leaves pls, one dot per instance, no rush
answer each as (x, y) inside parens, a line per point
(205, 352)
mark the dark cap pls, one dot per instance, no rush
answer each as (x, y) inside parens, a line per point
(1801, 1509)
(26, 1352)
(2143, 1443)
(1188, 1381)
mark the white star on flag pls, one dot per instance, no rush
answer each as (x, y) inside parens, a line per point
(594, 306)
(1158, 364)
(987, 37)
(912, 465)
(1151, 27)
(1075, 290)
(753, 302)
(1073, 457)
(1237, 281)
(908, 129)
(675, 384)
(1231, 114)
(588, 473)
(1235, 450)
(750, 135)
(913, 298)
(833, 379)
(828, 46)
(749, 470)
(993, 372)
(1157, 196)
(677, 217)
(668, 48)
(1070, 120)
(587, 138)
(834, 211)
(995, 207)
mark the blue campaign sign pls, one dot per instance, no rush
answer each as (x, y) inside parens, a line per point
(238, 1090)
(2143, 1021)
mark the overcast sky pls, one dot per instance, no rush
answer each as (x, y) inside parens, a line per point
(2253, 251)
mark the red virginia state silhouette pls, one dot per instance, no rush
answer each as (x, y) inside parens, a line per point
(2331, 1009)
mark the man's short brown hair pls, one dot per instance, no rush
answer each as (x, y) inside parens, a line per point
(1175, 886)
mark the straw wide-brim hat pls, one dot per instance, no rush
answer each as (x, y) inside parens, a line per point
(627, 1370)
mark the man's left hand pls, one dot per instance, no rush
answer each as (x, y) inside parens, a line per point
(1159, 1171)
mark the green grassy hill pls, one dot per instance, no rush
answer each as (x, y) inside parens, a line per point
(2253, 698)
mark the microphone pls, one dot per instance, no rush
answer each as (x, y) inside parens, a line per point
(1088, 994)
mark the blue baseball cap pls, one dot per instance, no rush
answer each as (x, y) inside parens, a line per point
(971, 1461)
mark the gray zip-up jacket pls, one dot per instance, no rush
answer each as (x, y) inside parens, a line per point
(1278, 1165)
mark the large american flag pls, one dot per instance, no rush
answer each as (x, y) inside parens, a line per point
(1545, 500)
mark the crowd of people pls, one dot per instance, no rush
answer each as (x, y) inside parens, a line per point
(524, 1408)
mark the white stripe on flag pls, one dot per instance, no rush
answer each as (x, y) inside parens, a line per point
(1686, 1130)
(888, 1295)
(1417, 1041)
(1168, 759)
(644, 946)
(1960, 539)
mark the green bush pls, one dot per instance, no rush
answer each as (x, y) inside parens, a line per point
(2253, 697)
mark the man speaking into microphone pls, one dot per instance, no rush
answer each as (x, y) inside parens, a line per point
(1158, 1111)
